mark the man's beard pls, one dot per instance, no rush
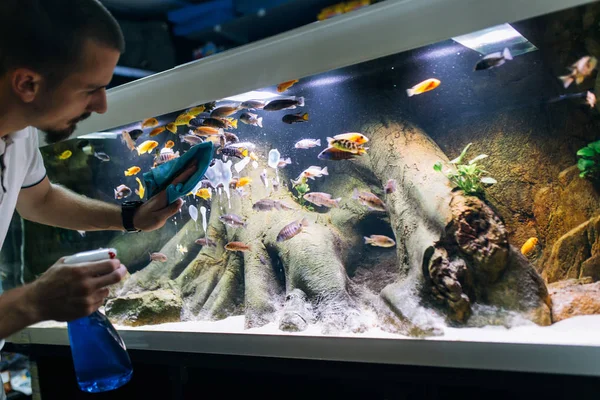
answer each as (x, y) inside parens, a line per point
(55, 136)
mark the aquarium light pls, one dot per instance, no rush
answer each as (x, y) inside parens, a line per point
(495, 39)
(253, 95)
(328, 80)
(100, 135)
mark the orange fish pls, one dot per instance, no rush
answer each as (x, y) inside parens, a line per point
(169, 144)
(237, 246)
(149, 123)
(423, 87)
(208, 130)
(157, 131)
(529, 246)
(132, 171)
(171, 127)
(282, 87)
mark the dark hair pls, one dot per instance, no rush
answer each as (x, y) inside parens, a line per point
(48, 36)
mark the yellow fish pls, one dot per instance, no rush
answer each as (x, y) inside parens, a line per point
(196, 110)
(183, 119)
(157, 131)
(141, 191)
(529, 247)
(425, 86)
(146, 147)
(204, 193)
(243, 182)
(253, 156)
(132, 171)
(172, 127)
(169, 144)
(65, 155)
(232, 122)
(149, 123)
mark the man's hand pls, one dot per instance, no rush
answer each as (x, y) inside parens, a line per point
(67, 292)
(155, 212)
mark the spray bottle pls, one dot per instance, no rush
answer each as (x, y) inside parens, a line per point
(99, 354)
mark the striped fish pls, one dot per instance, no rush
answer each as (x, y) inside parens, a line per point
(291, 230)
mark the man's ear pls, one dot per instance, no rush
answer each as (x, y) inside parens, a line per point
(26, 84)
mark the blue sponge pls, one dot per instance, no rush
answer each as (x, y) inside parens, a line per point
(160, 178)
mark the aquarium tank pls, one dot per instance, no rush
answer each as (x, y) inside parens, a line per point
(446, 192)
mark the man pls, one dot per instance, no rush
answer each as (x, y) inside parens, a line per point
(56, 59)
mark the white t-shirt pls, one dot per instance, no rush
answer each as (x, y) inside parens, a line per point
(24, 167)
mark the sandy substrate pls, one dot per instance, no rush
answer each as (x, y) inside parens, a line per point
(583, 330)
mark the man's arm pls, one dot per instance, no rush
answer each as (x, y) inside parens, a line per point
(16, 311)
(51, 204)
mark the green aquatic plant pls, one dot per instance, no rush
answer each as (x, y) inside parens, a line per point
(301, 189)
(589, 161)
(468, 177)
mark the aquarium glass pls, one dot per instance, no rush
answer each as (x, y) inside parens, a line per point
(449, 192)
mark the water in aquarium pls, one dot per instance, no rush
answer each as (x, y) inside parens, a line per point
(447, 192)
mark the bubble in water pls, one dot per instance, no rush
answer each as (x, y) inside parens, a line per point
(193, 213)
(274, 158)
(242, 164)
(203, 212)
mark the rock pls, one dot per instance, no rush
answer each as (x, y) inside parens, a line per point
(453, 250)
(576, 254)
(574, 297)
(562, 206)
(297, 313)
(114, 290)
(527, 150)
(147, 308)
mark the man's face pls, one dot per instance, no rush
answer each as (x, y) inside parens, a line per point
(57, 111)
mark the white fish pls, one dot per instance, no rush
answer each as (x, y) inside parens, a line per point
(244, 145)
(274, 158)
(307, 143)
(203, 212)
(242, 164)
(254, 164)
(193, 213)
(311, 172)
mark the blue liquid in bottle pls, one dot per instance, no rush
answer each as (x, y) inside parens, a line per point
(99, 354)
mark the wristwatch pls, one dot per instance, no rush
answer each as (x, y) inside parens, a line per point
(128, 209)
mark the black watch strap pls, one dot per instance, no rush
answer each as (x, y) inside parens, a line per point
(128, 210)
